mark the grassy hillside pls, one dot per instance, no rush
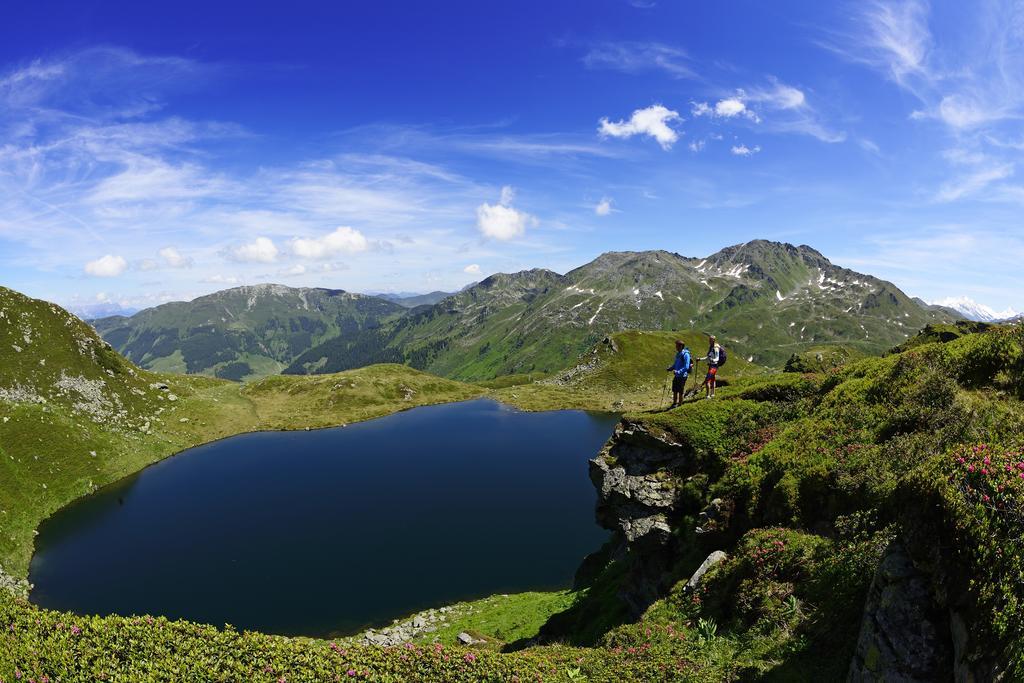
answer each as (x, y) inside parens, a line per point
(765, 300)
(75, 415)
(624, 371)
(243, 332)
(285, 402)
(817, 478)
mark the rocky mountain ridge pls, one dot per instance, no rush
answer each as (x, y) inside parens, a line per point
(766, 300)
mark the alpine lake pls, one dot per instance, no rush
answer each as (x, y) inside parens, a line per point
(327, 532)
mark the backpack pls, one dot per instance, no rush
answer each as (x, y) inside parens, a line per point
(721, 356)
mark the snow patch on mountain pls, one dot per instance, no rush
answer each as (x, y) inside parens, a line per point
(973, 310)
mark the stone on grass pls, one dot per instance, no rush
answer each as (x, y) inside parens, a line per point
(712, 559)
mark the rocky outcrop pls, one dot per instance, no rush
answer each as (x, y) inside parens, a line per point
(905, 635)
(636, 494)
(636, 476)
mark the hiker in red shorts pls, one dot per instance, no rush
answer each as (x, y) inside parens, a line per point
(713, 358)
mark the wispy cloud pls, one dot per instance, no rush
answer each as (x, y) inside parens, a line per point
(973, 181)
(780, 107)
(634, 57)
(742, 150)
(971, 83)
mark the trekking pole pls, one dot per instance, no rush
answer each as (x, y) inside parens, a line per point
(696, 367)
(664, 392)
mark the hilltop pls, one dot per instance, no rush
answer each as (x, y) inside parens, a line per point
(243, 332)
(766, 300)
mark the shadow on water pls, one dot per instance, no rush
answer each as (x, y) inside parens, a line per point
(329, 531)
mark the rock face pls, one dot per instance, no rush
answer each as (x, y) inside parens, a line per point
(638, 499)
(904, 635)
(634, 495)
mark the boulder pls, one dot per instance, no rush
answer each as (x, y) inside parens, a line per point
(465, 638)
(711, 560)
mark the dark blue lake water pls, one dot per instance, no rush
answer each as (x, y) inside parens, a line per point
(330, 531)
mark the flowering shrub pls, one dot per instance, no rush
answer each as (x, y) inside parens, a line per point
(992, 478)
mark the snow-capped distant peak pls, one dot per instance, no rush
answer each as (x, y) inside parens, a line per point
(971, 309)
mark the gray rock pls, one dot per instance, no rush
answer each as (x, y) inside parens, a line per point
(711, 560)
(378, 639)
(904, 635)
(465, 638)
(418, 622)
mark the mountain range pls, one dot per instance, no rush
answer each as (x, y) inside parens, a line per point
(242, 332)
(972, 310)
(765, 300)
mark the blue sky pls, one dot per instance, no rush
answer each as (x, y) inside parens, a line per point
(150, 153)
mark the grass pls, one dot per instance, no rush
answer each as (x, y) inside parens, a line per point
(503, 618)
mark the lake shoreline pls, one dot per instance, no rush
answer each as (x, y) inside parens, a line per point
(487, 404)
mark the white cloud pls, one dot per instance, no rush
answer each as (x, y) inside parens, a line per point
(697, 145)
(742, 150)
(472, 269)
(637, 57)
(344, 240)
(260, 250)
(501, 221)
(787, 107)
(106, 266)
(651, 121)
(973, 182)
(972, 81)
(730, 107)
(174, 259)
(892, 36)
(727, 108)
(218, 279)
(604, 207)
(297, 269)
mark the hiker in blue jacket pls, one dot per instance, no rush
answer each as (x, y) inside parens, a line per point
(680, 370)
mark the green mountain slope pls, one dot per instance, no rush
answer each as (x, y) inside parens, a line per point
(242, 332)
(765, 301)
